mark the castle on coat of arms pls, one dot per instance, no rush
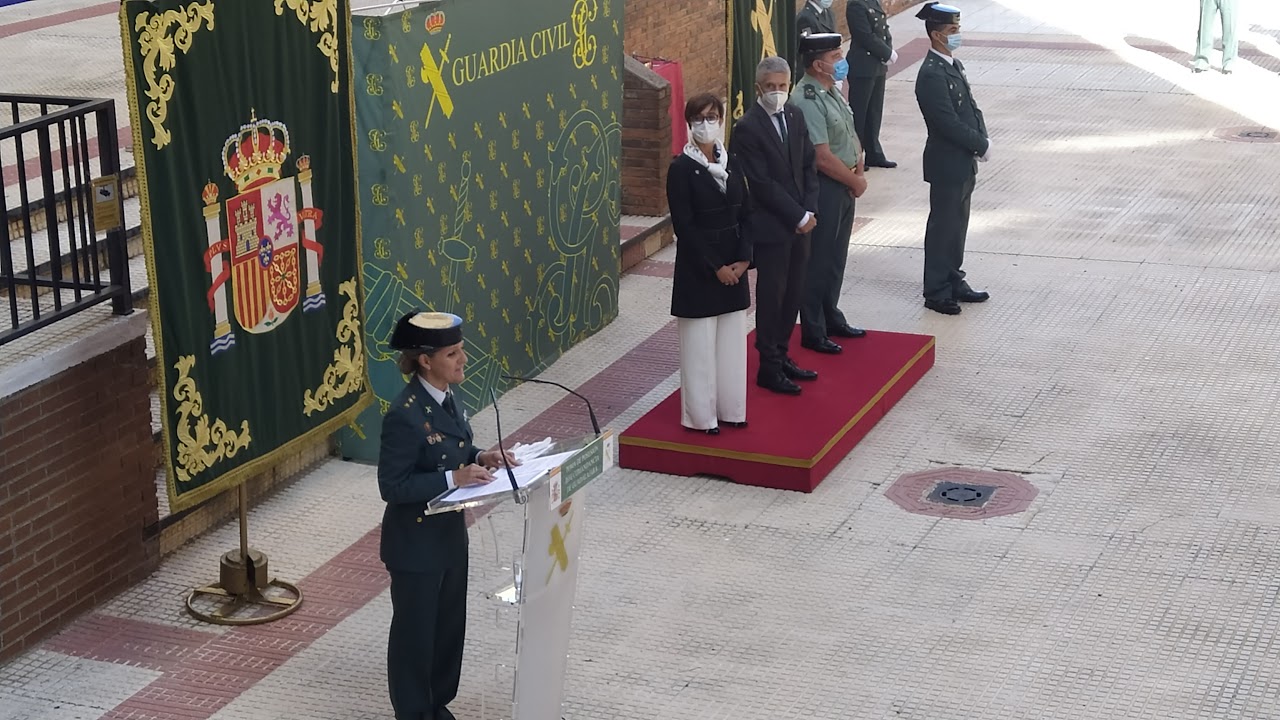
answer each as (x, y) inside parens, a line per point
(271, 223)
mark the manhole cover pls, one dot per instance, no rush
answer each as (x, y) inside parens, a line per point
(962, 493)
(1249, 134)
(967, 495)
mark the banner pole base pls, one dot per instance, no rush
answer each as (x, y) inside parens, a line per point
(245, 594)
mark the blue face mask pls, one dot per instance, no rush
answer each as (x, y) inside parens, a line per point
(954, 42)
(825, 4)
(840, 70)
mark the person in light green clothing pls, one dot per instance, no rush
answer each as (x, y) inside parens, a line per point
(1209, 11)
(840, 180)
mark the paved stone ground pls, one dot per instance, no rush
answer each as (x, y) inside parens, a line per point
(1125, 366)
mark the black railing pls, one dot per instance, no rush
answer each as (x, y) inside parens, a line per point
(53, 262)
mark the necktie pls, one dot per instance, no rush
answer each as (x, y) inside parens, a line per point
(450, 407)
(782, 126)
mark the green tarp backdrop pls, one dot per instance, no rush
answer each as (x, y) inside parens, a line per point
(757, 29)
(241, 117)
(489, 139)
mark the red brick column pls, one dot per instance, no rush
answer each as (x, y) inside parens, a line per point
(78, 517)
(646, 140)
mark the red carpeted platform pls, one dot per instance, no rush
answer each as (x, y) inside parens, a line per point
(791, 442)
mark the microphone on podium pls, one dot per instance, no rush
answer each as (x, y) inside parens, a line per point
(502, 450)
(594, 425)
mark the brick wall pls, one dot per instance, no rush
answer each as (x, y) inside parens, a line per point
(646, 140)
(78, 518)
(690, 31)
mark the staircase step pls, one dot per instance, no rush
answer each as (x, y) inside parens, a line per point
(40, 247)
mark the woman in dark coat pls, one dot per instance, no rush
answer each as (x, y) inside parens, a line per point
(709, 199)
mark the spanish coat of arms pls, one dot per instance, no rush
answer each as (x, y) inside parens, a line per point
(268, 230)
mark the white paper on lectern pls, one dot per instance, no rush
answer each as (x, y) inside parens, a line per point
(525, 475)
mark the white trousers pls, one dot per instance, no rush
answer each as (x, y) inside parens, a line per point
(713, 370)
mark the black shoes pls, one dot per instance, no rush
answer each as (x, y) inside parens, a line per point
(794, 372)
(882, 163)
(946, 307)
(823, 346)
(845, 330)
(973, 296)
(708, 431)
(738, 425)
(777, 382)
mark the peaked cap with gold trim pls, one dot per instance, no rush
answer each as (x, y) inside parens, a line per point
(426, 331)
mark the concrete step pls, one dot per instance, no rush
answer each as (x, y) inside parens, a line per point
(35, 201)
(40, 257)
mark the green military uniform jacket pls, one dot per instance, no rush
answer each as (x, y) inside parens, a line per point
(420, 442)
(957, 130)
(870, 42)
(829, 119)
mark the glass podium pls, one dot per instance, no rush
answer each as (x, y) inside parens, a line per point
(522, 577)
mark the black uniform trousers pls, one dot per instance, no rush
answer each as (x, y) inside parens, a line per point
(866, 100)
(424, 651)
(780, 273)
(827, 258)
(944, 237)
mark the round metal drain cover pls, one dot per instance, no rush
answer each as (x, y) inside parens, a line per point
(1248, 134)
(962, 493)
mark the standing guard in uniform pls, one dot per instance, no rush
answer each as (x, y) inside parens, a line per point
(957, 141)
(870, 55)
(427, 449)
(840, 180)
(814, 18)
(1209, 11)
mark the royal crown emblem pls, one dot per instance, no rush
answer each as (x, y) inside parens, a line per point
(435, 22)
(267, 229)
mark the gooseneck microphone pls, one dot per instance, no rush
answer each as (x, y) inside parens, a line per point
(497, 421)
(594, 425)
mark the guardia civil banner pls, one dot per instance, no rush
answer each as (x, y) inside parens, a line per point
(757, 29)
(242, 126)
(489, 135)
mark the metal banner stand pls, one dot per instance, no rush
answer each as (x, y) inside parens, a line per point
(245, 593)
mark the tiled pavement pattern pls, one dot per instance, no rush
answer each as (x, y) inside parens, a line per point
(1125, 367)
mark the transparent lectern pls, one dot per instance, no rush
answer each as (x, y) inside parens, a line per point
(524, 569)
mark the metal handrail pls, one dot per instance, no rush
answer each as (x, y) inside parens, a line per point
(53, 261)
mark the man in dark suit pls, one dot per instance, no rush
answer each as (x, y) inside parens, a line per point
(771, 145)
(427, 449)
(957, 142)
(870, 55)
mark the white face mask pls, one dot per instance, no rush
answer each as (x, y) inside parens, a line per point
(774, 101)
(705, 131)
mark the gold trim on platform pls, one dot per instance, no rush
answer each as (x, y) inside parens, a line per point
(321, 16)
(157, 49)
(345, 374)
(194, 452)
(778, 459)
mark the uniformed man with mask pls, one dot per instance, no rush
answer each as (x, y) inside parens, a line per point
(870, 55)
(815, 17)
(957, 142)
(839, 160)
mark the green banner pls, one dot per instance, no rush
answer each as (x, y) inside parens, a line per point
(757, 29)
(242, 124)
(489, 140)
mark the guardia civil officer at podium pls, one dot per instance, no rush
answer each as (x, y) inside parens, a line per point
(427, 448)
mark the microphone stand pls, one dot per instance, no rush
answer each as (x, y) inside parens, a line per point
(502, 450)
(591, 413)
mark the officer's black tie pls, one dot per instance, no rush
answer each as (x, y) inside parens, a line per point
(451, 407)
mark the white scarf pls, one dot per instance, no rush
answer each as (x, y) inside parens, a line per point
(719, 169)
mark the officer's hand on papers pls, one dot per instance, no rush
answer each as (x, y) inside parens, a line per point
(472, 475)
(893, 57)
(493, 458)
(986, 155)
